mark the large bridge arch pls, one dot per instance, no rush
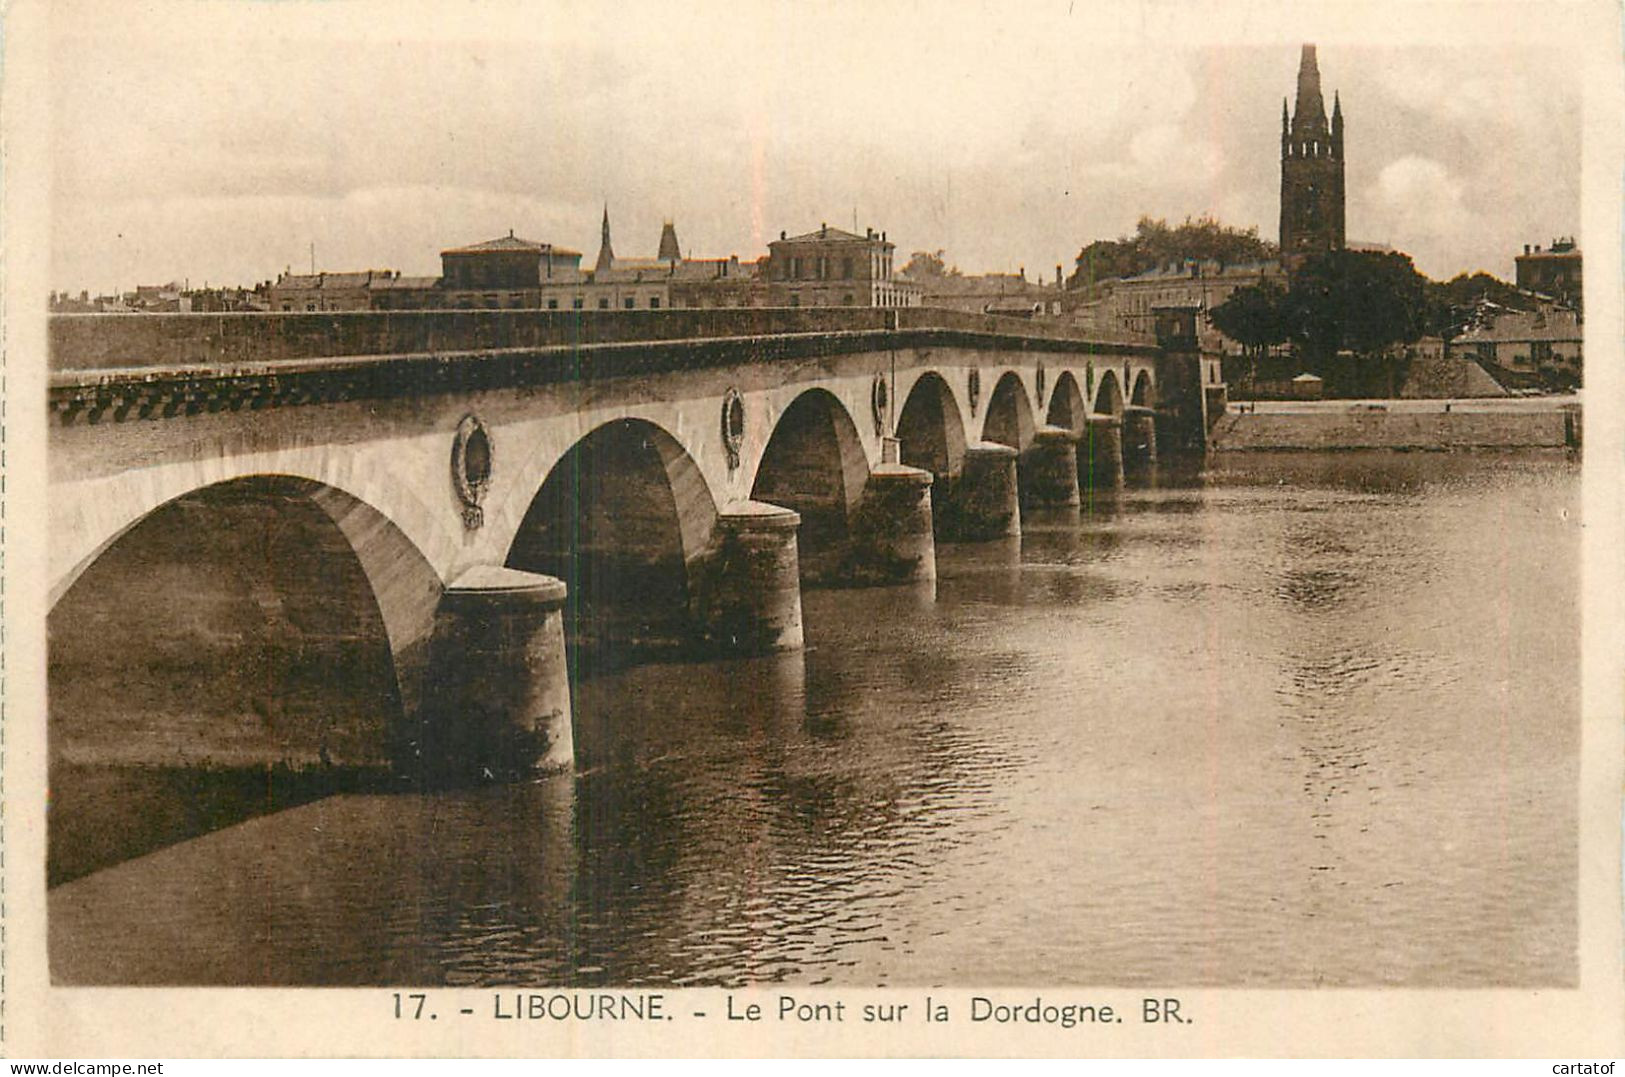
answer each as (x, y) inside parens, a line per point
(931, 429)
(88, 516)
(262, 619)
(1109, 395)
(1145, 390)
(622, 517)
(1067, 408)
(1009, 418)
(814, 463)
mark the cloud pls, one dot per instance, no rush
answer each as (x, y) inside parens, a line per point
(1006, 140)
(1417, 202)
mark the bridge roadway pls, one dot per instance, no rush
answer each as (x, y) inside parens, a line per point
(252, 513)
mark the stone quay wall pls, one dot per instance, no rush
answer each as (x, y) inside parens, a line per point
(1557, 427)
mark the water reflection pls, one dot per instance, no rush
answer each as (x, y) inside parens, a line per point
(1303, 723)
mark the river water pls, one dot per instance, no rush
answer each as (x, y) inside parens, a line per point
(1299, 720)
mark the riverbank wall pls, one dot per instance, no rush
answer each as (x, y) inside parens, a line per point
(1348, 429)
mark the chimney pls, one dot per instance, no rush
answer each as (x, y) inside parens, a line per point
(1526, 248)
(1057, 276)
(781, 233)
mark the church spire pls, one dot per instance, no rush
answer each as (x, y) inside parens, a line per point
(1309, 115)
(606, 253)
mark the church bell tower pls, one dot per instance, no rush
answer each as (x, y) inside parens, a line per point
(1311, 170)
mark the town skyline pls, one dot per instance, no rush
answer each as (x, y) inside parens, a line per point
(1000, 172)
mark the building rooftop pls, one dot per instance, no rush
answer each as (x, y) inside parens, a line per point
(1208, 271)
(356, 279)
(826, 234)
(399, 283)
(510, 242)
(1493, 322)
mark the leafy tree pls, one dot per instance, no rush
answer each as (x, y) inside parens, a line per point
(928, 265)
(1359, 300)
(1155, 243)
(1254, 317)
(1452, 303)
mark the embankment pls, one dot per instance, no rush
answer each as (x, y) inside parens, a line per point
(1400, 430)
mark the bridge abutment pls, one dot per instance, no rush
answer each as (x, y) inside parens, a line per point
(1139, 439)
(1100, 454)
(498, 698)
(1048, 470)
(985, 501)
(752, 592)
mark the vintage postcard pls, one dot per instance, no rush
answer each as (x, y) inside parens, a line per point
(812, 529)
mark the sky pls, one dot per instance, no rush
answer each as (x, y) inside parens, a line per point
(217, 144)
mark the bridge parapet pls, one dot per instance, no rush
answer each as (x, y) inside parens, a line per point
(109, 342)
(157, 366)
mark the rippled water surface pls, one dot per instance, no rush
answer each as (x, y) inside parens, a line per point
(1301, 720)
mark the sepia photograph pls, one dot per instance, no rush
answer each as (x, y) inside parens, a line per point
(810, 498)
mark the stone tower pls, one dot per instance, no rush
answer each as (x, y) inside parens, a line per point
(669, 250)
(1311, 170)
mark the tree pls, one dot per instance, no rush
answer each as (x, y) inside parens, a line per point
(1362, 301)
(1154, 243)
(928, 265)
(1452, 304)
(1253, 317)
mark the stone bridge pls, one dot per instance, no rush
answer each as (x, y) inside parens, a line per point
(440, 516)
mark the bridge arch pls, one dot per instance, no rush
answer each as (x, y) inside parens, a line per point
(930, 429)
(1066, 404)
(622, 518)
(1009, 418)
(814, 463)
(1145, 390)
(263, 619)
(1109, 396)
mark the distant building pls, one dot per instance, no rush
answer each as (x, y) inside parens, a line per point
(1007, 294)
(1311, 169)
(834, 268)
(407, 293)
(665, 282)
(505, 272)
(1540, 348)
(310, 292)
(1129, 303)
(1553, 272)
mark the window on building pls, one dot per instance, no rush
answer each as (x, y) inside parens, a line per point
(552, 304)
(603, 304)
(310, 306)
(846, 300)
(846, 268)
(576, 303)
(654, 302)
(629, 302)
(795, 299)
